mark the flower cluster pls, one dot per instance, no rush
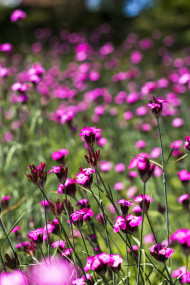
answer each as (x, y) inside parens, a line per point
(38, 174)
(161, 252)
(127, 224)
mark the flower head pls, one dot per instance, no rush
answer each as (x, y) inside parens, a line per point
(124, 206)
(145, 168)
(93, 158)
(18, 15)
(156, 106)
(141, 199)
(187, 143)
(61, 173)
(38, 174)
(161, 252)
(56, 272)
(89, 135)
(127, 225)
(60, 155)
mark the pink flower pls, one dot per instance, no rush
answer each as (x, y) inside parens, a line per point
(58, 271)
(60, 244)
(119, 186)
(69, 187)
(59, 155)
(187, 143)
(156, 106)
(38, 174)
(127, 225)
(183, 197)
(105, 166)
(177, 122)
(145, 168)
(124, 206)
(120, 167)
(136, 56)
(89, 134)
(15, 277)
(18, 15)
(184, 176)
(161, 252)
(155, 152)
(148, 239)
(179, 271)
(147, 199)
(131, 192)
(61, 173)
(140, 144)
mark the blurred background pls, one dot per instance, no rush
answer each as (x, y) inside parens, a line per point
(124, 16)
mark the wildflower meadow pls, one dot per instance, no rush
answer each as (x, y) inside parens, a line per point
(94, 154)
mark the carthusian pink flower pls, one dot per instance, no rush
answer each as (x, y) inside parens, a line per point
(89, 135)
(38, 174)
(156, 106)
(187, 143)
(184, 199)
(141, 199)
(56, 272)
(127, 225)
(161, 252)
(183, 237)
(61, 173)
(120, 167)
(59, 155)
(145, 168)
(124, 206)
(18, 15)
(184, 176)
(15, 277)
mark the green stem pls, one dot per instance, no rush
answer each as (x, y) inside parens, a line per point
(141, 237)
(151, 227)
(47, 240)
(164, 182)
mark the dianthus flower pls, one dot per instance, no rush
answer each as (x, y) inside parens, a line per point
(60, 155)
(38, 174)
(127, 225)
(61, 173)
(147, 199)
(5, 201)
(83, 203)
(81, 215)
(27, 247)
(156, 106)
(36, 235)
(184, 176)
(100, 262)
(69, 188)
(15, 277)
(59, 244)
(93, 158)
(145, 168)
(18, 15)
(56, 272)
(85, 177)
(184, 199)
(179, 272)
(187, 143)
(89, 135)
(183, 237)
(161, 252)
(124, 206)
(81, 281)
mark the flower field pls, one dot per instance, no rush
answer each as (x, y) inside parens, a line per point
(95, 167)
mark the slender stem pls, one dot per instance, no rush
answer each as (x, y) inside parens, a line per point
(47, 240)
(169, 275)
(3, 229)
(141, 238)
(151, 227)
(127, 261)
(164, 182)
(83, 241)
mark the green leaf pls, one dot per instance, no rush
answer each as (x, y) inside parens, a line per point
(181, 157)
(137, 241)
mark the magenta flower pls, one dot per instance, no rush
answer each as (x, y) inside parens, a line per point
(147, 199)
(81, 215)
(120, 167)
(83, 203)
(180, 271)
(187, 143)
(100, 218)
(5, 201)
(89, 135)
(161, 252)
(183, 237)
(81, 281)
(127, 225)
(69, 188)
(184, 176)
(61, 173)
(184, 199)
(148, 239)
(60, 155)
(145, 168)
(60, 244)
(124, 206)
(38, 174)
(156, 106)
(185, 278)
(6, 47)
(18, 15)
(15, 277)
(105, 166)
(56, 272)
(102, 261)
(36, 235)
